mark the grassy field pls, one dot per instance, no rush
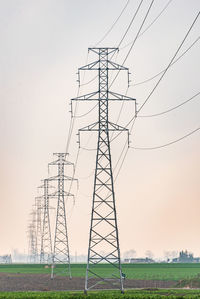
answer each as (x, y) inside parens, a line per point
(134, 294)
(132, 271)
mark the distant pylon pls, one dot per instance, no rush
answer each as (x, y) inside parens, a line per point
(46, 242)
(38, 220)
(61, 244)
(32, 237)
(103, 237)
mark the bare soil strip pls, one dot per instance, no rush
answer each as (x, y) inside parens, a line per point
(10, 282)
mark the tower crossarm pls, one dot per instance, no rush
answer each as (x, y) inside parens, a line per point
(108, 50)
(64, 194)
(112, 66)
(94, 96)
(87, 97)
(65, 178)
(119, 97)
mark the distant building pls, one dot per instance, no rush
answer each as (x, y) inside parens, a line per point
(138, 260)
(186, 257)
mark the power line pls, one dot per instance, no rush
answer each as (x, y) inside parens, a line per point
(173, 108)
(165, 7)
(92, 149)
(133, 43)
(131, 48)
(131, 22)
(134, 118)
(156, 85)
(166, 144)
(106, 34)
(84, 114)
(171, 61)
(72, 120)
(83, 84)
(151, 78)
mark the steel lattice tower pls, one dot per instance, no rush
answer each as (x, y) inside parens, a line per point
(46, 243)
(32, 238)
(61, 244)
(38, 219)
(103, 229)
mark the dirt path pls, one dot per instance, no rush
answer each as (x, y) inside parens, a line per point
(10, 282)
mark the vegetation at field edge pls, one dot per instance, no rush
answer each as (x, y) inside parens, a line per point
(134, 294)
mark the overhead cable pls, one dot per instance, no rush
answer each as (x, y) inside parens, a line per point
(133, 119)
(166, 144)
(151, 78)
(84, 114)
(113, 24)
(133, 43)
(165, 7)
(173, 108)
(131, 22)
(165, 71)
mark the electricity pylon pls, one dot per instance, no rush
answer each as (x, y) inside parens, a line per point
(32, 237)
(61, 244)
(46, 242)
(103, 229)
(38, 220)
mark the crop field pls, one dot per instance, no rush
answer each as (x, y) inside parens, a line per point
(132, 271)
(33, 281)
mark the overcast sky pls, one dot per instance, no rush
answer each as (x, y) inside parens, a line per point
(43, 43)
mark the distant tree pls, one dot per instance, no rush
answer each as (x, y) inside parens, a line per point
(174, 254)
(169, 255)
(149, 254)
(130, 254)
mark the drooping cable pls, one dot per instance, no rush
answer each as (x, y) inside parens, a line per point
(153, 77)
(73, 116)
(134, 118)
(158, 82)
(71, 184)
(133, 43)
(170, 63)
(130, 24)
(113, 25)
(166, 144)
(83, 84)
(71, 126)
(173, 108)
(156, 18)
(84, 114)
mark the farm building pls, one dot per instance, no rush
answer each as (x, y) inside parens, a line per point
(138, 260)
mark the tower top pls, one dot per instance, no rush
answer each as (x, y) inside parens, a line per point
(101, 50)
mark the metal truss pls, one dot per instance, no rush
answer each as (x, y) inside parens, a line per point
(103, 236)
(61, 244)
(38, 225)
(32, 237)
(46, 242)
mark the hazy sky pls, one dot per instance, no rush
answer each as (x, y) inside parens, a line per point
(157, 192)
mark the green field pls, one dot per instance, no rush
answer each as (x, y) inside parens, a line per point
(133, 271)
(134, 294)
